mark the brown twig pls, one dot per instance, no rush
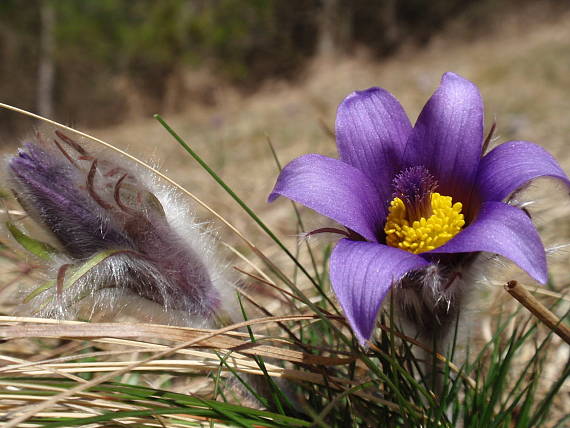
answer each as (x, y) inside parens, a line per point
(519, 292)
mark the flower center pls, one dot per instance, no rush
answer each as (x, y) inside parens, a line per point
(419, 219)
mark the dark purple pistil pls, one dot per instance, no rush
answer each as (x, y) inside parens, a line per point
(414, 187)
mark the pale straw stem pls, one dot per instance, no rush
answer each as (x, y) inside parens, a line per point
(519, 292)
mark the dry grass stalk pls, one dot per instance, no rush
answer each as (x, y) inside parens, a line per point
(519, 292)
(176, 334)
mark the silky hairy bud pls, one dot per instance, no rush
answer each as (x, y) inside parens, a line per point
(120, 232)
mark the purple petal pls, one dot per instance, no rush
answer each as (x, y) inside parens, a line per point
(362, 274)
(371, 131)
(511, 165)
(502, 229)
(448, 136)
(334, 189)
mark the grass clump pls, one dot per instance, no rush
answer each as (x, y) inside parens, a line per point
(291, 362)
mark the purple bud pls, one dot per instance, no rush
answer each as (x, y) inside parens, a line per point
(92, 205)
(47, 187)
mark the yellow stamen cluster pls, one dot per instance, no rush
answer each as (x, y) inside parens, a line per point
(423, 234)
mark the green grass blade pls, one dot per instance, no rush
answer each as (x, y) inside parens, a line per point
(40, 249)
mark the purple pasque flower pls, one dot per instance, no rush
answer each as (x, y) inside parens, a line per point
(95, 205)
(418, 202)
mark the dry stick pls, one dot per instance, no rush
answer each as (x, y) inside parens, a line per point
(72, 358)
(53, 370)
(519, 292)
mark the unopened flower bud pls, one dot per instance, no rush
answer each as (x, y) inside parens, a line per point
(119, 230)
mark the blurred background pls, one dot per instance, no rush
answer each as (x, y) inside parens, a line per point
(229, 74)
(97, 63)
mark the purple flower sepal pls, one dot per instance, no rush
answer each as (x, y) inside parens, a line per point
(381, 158)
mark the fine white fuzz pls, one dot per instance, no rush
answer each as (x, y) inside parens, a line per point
(130, 244)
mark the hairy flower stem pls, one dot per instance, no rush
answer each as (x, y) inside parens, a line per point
(430, 302)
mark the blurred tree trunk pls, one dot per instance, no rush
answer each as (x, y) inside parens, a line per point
(390, 28)
(335, 27)
(46, 71)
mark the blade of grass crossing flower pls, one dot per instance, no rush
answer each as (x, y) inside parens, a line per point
(268, 262)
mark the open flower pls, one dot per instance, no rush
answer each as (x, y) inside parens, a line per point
(417, 202)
